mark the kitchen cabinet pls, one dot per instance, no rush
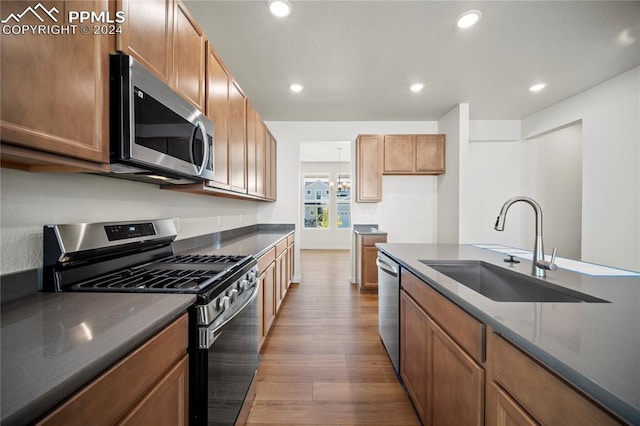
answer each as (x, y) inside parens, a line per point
(369, 168)
(290, 259)
(414, 154)
(521, 388)
(255, 153)
(441, 369)
(275, 267)
(366, 255)
(148, 386)
(237, 138)
(163, 36)
(271, 166)
(53, 109)
(218, 111)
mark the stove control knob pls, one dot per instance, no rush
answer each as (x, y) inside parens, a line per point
(233, 295)
(225, 302)
(244, 285)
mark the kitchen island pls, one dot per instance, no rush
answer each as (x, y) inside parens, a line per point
(594, 347)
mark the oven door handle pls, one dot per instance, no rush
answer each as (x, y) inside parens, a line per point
(210, 334)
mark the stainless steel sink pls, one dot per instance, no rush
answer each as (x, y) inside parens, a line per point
(503, 285)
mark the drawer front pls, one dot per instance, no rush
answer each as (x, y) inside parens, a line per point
(462, 327)
(266, 259)
(544, 395)
(107, 398)
(281, 246)
(290, 239)
(371, 240)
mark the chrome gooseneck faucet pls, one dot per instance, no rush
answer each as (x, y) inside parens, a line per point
(539, 265)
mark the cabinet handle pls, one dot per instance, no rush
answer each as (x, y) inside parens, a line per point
(386, 267)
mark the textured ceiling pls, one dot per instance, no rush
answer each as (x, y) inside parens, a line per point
(356, 59)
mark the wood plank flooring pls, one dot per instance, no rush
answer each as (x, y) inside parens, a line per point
(323, 363)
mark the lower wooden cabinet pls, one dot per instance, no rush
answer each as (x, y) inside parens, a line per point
(275, 268)
(367, 253)
(445, 384)
(524, 389)
(149, 386)
(451, 380)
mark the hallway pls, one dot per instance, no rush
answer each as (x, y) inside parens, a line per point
(324, 362)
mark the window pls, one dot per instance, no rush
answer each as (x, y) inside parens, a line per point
(316, 201)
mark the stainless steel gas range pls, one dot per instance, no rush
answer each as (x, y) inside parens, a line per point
(137, 256)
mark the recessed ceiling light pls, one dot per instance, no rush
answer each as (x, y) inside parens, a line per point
(416, 87)
(537, 87)
(280, 8)
(468, 18)
(296, 88)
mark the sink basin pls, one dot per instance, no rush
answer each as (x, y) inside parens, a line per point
(502, 285)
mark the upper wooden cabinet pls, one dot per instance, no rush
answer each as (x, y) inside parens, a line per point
(164, 37)
(55, 95)
(271, 163)
(189, 55)
(414, 154)
(237, 138)
(147, 34)
(218, 111)
(255, 153)
(369, 168)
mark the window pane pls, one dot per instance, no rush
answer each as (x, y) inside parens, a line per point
(344, 215)
(343, 187)
(316, 202)
(343, 194)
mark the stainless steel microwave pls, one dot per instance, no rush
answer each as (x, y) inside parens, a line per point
(156, 135)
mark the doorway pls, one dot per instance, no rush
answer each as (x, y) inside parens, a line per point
(325, 202)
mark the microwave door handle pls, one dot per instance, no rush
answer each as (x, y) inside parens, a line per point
(205, 148)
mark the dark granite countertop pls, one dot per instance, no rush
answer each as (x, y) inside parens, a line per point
(52, 344)
(594, 346)
(251, 241)
(364, 229)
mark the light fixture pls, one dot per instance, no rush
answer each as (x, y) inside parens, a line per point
(468, 18)
(537, 87)
(416, 87)
(342, 187)
(280, 8)
(296, 87)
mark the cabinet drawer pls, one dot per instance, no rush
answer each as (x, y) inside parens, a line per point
(107, 398)
(290, 239)
(544, 395)
(281, 247)
(371, 240)
(266, 259)
(462, 327)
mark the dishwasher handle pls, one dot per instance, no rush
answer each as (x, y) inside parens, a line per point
(389, 269)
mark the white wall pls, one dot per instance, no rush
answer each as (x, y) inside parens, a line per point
(552, 175)
(610, 169)
(451, 202)
(28, 201)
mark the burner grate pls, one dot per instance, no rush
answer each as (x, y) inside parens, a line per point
(153, 279)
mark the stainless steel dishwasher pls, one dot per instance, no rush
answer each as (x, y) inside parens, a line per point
(389, 307)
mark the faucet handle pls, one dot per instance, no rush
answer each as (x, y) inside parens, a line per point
(548, 264)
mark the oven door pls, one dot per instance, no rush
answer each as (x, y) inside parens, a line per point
(223, 374)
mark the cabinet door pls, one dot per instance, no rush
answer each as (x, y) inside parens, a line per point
(430, 154)
(167, 402)
(369, 268)
(252, 117)
(399, 154)
(414, 332)
(369, 169)
(55, 90)
(218, 112)
(279, 281)
(291, 264)
(456, 382)
(268, 279)
(273, 169)
(188, 57)
(147, 34)
(237, 139)
(502, 410)
(260, 157)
